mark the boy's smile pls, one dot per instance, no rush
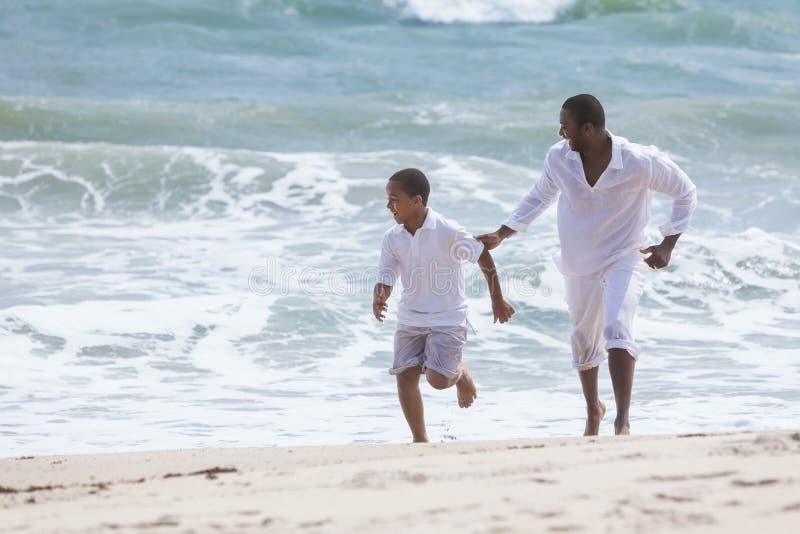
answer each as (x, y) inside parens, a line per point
(404, 208)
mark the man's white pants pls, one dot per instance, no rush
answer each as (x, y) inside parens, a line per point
(602, 306)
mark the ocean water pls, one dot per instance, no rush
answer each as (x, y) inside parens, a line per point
(191, 207)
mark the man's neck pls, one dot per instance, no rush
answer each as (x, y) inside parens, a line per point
(417, 223)
(599, 150)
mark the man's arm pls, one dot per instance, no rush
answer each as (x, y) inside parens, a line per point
(379, 297)
(541, 195)
(493, 240)
(501, 309)
(668, 178)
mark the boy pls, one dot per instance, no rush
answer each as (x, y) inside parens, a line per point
(426, 250)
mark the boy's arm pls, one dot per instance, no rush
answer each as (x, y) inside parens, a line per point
(379, 297)
(501, 309)
(385, 279)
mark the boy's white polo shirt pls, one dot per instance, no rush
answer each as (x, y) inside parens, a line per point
(429, 266)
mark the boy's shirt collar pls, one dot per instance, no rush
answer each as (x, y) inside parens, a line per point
(429, 223)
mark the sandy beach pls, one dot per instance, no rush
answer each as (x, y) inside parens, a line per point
(704, 483)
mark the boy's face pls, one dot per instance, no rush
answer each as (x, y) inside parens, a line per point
(402, 206)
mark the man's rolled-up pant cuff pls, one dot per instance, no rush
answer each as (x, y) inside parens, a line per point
(630, 346)
(584, 364)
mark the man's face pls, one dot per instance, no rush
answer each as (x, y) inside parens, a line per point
(400, 204)
(570, 131)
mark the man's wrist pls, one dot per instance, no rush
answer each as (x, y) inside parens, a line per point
(504, 231)
(670, 240)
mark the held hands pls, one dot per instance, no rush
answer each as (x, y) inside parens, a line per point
(659, 254)
(490, 241)
(493, 240)
(501, 309)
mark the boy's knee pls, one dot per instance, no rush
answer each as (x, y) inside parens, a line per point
(410, 375)
(438, 381)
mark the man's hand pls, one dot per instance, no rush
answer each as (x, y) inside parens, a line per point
(502, 310)
(490, 241)
(660, 254)
(493, 240)
(379, 297)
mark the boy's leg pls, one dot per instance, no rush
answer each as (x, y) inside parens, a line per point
(439, 381)
(409, 353)
(411, 402)
(444, 367)
(467, 391)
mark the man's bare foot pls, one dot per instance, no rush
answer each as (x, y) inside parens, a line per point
(593, 418)
(465, 387)
(622, 428)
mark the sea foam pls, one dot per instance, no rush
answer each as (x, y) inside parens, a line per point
(481, 11)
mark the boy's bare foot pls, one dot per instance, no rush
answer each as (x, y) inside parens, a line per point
(465, 387)
(593, 418)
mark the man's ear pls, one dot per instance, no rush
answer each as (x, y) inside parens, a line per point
(588, 129)
(417, 200)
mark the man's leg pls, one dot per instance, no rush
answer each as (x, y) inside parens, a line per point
(411, 402)
(623, 287)
(584, 295)
(621, 366)
(595, 410)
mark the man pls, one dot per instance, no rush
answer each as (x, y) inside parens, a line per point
(604, 183)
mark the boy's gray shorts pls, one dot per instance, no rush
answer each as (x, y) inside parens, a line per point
(432, 347)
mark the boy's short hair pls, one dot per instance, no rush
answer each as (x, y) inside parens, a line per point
(586, 108)
(414, 183)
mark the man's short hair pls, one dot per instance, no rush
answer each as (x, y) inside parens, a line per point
(413, 182)
(585, 108)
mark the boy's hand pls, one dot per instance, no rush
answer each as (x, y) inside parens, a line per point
(379, 298)
(490, 241)
(379, 308)
(502, 310)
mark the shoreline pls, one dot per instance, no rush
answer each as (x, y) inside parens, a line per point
(701, 482)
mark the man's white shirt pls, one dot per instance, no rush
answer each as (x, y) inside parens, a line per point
(598, 225)
(429, 266)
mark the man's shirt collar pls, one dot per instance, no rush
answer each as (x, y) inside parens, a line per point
(616, 152)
